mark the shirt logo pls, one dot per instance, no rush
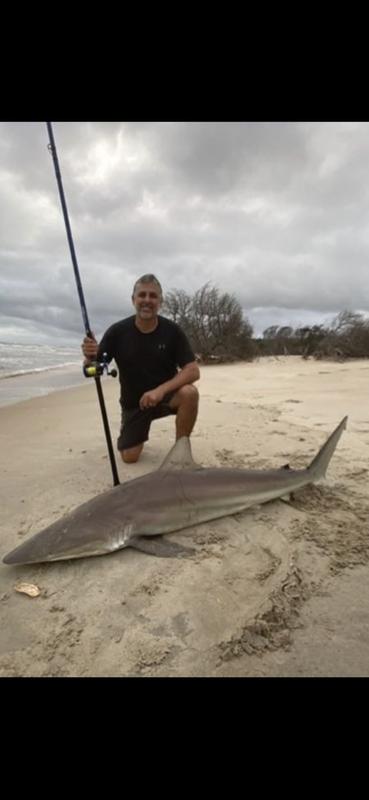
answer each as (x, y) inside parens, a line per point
(161, 346)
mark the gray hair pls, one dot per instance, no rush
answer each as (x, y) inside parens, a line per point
(148, 278)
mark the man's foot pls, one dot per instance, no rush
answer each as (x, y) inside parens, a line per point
(132, 454)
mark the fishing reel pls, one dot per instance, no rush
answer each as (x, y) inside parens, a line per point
(97, 368)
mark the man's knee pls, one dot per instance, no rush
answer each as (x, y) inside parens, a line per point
(132, 454)
(187, 394)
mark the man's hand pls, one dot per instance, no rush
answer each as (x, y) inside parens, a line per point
(152, 398)
(89, 348)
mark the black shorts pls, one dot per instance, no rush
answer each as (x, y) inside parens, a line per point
(136, 423)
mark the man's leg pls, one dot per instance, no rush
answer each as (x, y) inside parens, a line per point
(134, 433)
(186, 403)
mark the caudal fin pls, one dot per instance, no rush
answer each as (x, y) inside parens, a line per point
(319, 464)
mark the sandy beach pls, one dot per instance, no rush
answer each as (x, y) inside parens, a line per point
(281, 589)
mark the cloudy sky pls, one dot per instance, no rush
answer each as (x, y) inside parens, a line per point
(276, 213)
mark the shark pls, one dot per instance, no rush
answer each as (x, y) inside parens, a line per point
(178, 495)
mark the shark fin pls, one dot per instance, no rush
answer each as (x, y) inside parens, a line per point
(157, 546)
(288, 498)
(319, 464)
(180, 456)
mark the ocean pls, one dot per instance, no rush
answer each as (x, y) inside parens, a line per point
(31, 370)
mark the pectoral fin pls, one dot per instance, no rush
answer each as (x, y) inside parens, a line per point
(157, 546)
(288, 498)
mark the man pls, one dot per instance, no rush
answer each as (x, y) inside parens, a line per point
(148, 349)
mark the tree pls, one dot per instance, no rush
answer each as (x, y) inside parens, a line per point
(345, 321)
(271, 332)
(177, 305)
(347, 337)
(285, 332)
(213, 322)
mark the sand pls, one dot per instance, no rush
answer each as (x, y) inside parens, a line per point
(279, 590)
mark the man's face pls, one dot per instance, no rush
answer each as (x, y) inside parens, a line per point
(147, 300)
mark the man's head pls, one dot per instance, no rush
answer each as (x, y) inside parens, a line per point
(147, 297)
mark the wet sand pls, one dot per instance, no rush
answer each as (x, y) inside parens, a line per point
(16, 388)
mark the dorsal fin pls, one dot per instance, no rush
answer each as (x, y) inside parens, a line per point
(180, 456)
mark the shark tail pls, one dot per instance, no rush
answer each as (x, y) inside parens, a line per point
(319, 464)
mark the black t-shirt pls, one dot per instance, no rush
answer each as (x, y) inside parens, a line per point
(145, 360)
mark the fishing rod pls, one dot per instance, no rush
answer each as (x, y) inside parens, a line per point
(96, 369)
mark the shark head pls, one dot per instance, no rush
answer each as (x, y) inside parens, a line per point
(57, 542)
(99, 526)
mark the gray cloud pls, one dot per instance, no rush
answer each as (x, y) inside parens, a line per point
(276, 213)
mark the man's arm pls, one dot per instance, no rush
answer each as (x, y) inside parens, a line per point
(188, 374)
